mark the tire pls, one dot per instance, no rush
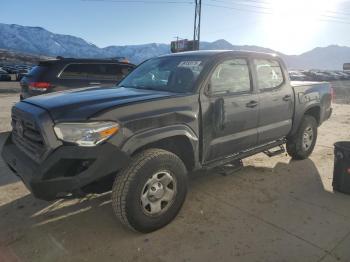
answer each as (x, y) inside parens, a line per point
(132, 190)
(297, 148)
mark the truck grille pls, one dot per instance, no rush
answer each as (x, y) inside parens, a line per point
(26, 135)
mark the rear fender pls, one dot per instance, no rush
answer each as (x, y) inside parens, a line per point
(300, 115)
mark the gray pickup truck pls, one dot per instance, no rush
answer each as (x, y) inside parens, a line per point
(171, 115)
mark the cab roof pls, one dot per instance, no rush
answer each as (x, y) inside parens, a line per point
(208, 53)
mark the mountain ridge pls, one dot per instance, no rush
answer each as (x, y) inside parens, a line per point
(39, 41)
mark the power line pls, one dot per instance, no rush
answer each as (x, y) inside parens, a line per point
(247, 4)
(141, 1)
(268, 7)
(267, 11)
(269, 4)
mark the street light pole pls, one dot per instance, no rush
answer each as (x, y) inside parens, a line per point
(197, 24)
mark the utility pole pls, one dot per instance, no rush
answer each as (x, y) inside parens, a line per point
(197, 24)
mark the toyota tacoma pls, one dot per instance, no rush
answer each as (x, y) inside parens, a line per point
(171, 115)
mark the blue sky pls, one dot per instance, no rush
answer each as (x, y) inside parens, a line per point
(286, 27)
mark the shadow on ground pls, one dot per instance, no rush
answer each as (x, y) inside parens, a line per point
(6, 177)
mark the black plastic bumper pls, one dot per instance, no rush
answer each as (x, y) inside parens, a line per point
(65, 170)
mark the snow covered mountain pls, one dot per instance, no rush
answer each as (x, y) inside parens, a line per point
(39, 41)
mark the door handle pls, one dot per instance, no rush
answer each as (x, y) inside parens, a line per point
(252, 104)
(287, 98)
(94, 83)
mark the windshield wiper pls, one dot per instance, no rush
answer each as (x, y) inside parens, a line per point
(148, 88)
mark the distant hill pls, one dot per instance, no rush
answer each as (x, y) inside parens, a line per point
(39, 41)
(330, 57)
(15, 57)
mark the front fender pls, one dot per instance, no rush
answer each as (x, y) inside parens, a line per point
(150, 136)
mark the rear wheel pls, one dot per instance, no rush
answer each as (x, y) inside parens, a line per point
(301, 145)
(149, 193)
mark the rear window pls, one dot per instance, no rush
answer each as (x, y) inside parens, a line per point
(37, 71)
(113, 72)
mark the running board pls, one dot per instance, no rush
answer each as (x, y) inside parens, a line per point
(245, 154)
(279, 151)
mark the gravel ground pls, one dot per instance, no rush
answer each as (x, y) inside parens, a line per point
(9, 87)
(274, 209)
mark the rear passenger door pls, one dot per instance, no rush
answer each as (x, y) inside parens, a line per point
(230, 110)
(276, 100)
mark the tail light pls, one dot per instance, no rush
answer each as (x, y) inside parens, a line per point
(39, 86)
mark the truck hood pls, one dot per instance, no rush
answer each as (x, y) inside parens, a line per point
(83, 103)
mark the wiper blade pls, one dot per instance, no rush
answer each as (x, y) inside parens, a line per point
(142, 87)
(126, 86)
(148, 88)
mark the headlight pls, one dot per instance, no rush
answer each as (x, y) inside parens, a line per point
(86, 134)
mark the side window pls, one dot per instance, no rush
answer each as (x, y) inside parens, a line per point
(231, 76)
(269, 73)
(74, 71)
(104, 72)
(116, 71)
(95, 71)
(113, 72)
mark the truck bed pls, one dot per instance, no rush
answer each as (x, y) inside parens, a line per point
(311, 93)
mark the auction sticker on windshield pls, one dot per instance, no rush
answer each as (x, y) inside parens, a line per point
(189, 63)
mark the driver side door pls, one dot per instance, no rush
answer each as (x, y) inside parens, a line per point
(229, 111)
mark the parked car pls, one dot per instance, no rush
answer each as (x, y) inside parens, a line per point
(346, 74)
(171, 115)
(21, 73)
(332, 75)
(297, 76)
(343, 75)
(4, 76)
(317, 75)
(10, 69)
(69, 73)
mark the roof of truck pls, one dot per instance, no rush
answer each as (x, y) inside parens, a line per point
(220, 52)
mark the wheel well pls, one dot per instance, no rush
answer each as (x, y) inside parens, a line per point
(314, 112)
(179, 145)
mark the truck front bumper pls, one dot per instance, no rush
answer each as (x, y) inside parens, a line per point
(65, 170)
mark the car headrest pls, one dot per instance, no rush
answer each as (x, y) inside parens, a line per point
(181, 79)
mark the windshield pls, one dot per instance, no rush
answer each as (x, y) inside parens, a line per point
(171, 74)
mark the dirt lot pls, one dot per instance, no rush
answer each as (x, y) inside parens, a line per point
(274, 209)
(9, 87)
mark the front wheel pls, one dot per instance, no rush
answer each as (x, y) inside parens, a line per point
(301, 145)
(149, 193)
